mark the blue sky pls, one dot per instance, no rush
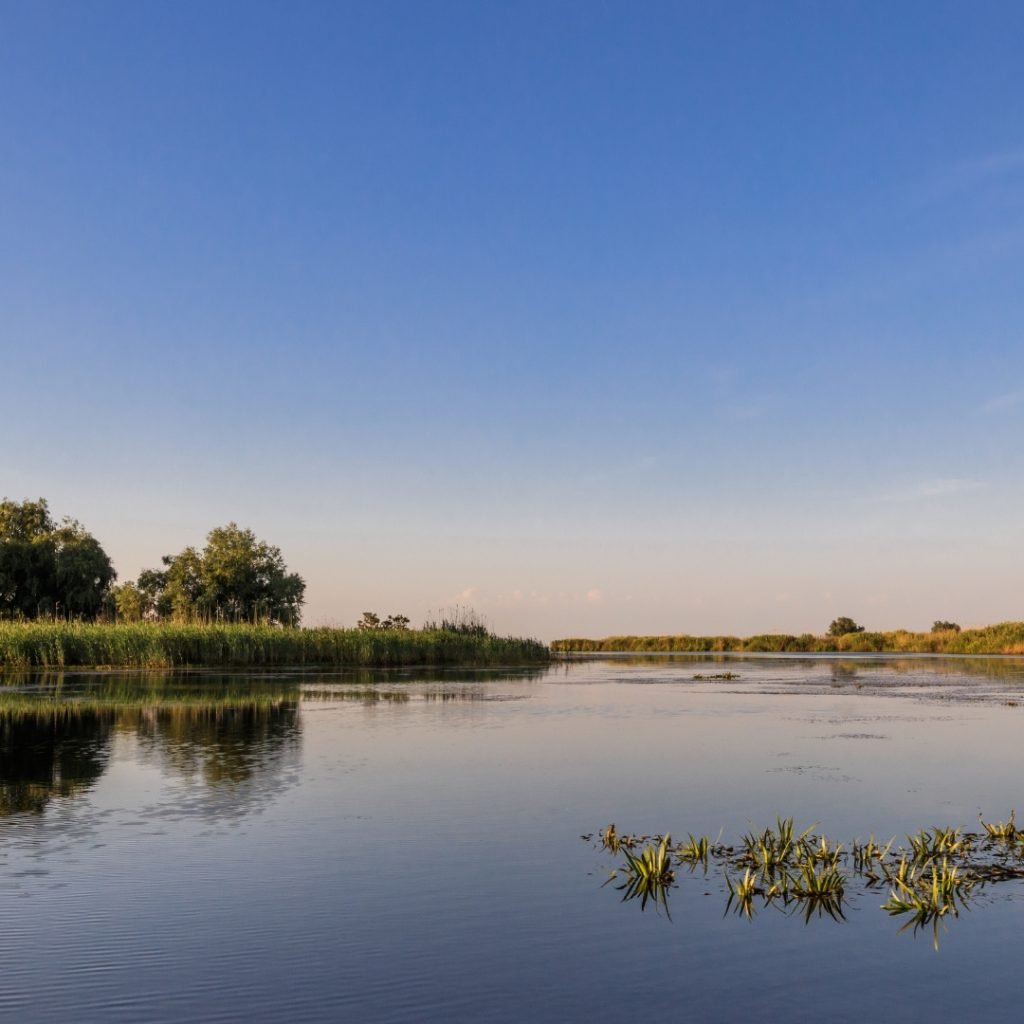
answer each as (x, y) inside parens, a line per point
(598, 317)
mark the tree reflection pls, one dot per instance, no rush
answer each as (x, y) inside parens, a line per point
(45, 755)
(234, 747)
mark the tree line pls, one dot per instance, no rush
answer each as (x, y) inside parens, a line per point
(51, 569)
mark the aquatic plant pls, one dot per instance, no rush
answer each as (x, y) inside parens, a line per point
(928, 893)
(1005, 831)
(695, 851)
(610, 839)
(742, 892)
(649, 873)
(928, 880)
(928, 844)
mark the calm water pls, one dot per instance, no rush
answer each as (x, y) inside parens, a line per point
(408, 847)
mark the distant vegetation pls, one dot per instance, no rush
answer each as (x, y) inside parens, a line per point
(172, 645)
(843, 626)
(1004, 638)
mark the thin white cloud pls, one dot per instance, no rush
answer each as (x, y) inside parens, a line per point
(968, 175)
(1002, 403)
(927, 490)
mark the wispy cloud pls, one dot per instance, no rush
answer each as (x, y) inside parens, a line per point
(1002, 403)
(968, 175)
(927, 490)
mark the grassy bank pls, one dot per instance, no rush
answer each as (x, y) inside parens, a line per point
(1004, 638)
(169, 645)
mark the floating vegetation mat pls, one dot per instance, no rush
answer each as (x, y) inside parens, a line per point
(924, 882)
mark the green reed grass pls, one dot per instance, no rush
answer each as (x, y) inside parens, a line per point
(1001, 638)
(51, 645)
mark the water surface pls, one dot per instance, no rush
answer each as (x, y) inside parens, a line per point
(407, 847)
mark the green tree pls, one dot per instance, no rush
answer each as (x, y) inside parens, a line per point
(83, 571)
(235, 577)
(48, 568)
(843, 625)
(942, 626)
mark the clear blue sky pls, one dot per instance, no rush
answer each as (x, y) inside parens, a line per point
(600, 317)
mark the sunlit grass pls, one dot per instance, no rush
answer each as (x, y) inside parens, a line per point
(649, 873)
(33, 645)
(1001, 638)
(799, 873)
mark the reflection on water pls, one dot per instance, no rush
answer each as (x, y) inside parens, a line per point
(50, 754)
(56, 737)
(239, 736)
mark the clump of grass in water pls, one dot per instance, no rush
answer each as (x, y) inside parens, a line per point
(610, 839)
(929, 880)
(695, 851)
(649, 874)
(774, 850)
(927, 893)
(1005, 831)
(743, 893)
(930, 844)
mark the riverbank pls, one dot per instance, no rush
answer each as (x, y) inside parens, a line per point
(1003, 638)
(171, 645)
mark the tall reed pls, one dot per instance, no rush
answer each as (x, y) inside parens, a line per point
(171, 645)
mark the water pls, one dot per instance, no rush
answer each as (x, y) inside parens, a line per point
(408, 847)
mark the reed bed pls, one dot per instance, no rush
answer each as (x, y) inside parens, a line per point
(1002, 638)
(56, 645)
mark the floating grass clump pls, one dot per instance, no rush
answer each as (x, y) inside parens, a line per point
(649, 874)
(1006, 831)
(31, 645)
(929, 879)
(927, 893)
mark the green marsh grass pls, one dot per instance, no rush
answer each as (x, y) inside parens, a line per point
(1001, 638)
(56, 645)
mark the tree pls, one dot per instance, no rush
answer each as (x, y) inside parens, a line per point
(371, 620)
(48, 568)
(942, 626)
(127, 601)
(235, 577)
(843, 625)
(84, 573)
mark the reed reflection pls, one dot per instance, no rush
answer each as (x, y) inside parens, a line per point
(234, 741)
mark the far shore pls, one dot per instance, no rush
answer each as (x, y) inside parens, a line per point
(1006, 638)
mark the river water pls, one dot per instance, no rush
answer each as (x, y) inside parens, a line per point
(409, 846)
